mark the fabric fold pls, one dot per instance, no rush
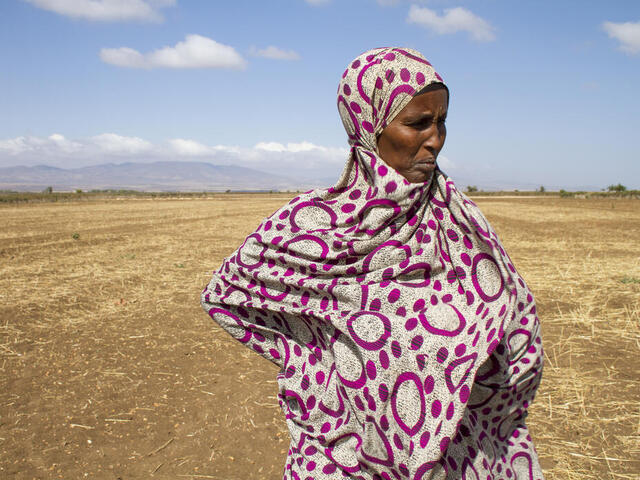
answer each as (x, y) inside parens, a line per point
(407, 342)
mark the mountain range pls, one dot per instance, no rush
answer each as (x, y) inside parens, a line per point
(184, 176)
(156, 176)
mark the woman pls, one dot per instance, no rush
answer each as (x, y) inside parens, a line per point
(408, 344)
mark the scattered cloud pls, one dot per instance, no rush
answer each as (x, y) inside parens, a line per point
(627, 33)
(190, 148)
(303, 159)
(56, 146)
(289, 147)
(453, 20)
(275, 53)
(106, 10)
(317, 3)
(195, 51)
(118, 144)
(52, 144)
(187, 147)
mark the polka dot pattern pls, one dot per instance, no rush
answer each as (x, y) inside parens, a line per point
(408, 344)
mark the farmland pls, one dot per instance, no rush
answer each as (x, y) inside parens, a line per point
(110, 369)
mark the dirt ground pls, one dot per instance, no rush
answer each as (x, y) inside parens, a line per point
(110, 369)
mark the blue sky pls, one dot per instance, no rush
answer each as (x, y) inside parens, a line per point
(542, 93)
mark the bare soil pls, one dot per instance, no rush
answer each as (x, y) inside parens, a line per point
(110, 369)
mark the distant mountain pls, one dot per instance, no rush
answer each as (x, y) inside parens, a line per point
(156, 176)
(197, 176)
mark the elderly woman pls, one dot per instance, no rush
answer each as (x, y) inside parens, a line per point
(408, 344)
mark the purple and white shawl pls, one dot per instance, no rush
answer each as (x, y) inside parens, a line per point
(408, 344)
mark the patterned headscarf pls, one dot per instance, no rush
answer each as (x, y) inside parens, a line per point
(408, 344)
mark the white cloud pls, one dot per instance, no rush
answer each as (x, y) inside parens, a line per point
(186, 147)
(195, 51)
(38, 145)
(63, 144)
(317, 3)
(275, 53)
(627, 33)
(453, 20)
(191, 148)
(289, 147)
(118, 144)
(106, 10)
(123, 57)
(303, 159)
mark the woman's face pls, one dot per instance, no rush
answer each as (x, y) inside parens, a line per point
(412, 141)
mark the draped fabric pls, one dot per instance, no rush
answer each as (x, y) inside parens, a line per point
(407, 342)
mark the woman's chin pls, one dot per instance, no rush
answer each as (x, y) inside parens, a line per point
(419, 177)
(420, 173)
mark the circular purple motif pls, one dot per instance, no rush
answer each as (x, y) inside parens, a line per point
(306, 250)
(410, 430)
(496, 275)
(390, 187)
(313, 221)
(247, 262)
(369, 318)
(443, 319)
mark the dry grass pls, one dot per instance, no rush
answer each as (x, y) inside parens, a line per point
(109, 368)
(582, 259)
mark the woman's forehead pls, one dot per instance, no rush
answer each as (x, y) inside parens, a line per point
(433, 101)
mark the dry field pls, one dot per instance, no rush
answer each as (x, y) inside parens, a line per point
(110, 369)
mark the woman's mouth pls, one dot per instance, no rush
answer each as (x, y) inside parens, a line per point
(426, 164)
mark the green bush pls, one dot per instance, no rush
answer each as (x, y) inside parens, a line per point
(617, 188)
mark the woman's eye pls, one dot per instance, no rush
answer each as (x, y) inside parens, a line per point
(423, 123)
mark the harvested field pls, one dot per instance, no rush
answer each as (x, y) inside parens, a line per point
(110, 369)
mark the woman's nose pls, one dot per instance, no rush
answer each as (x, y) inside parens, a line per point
(435, 138)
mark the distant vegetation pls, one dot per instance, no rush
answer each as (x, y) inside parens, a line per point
(612, 191)
(49, 195)
(617, 188)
